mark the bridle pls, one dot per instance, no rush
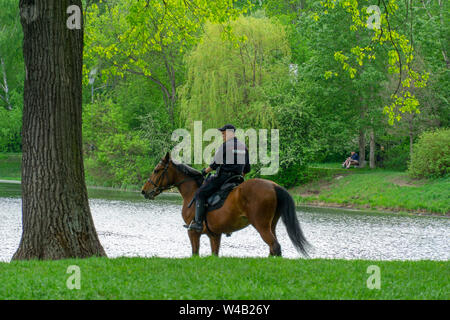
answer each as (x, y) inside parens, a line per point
(160, 189)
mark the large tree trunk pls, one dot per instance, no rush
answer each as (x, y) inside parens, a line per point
(56, 219)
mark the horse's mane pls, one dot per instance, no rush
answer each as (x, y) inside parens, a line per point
(190, 172)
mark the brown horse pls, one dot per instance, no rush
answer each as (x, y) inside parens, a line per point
(257, 202)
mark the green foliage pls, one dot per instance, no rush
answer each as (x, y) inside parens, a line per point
(397, 43)
(397, 157)
(337, 102)
(156, 130)
(431, 30)
(11, 77)
(11, 38)
(144, 30)
(226, 81)
(431, 155)
(223, 278)
(10, 127)
(116, 155)
(297, 125)
(205, 60)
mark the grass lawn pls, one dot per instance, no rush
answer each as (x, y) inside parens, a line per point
(327, 165)
(224, 278)
(10, 166)
(377, 189)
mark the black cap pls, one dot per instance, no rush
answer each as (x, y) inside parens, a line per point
(227, 127)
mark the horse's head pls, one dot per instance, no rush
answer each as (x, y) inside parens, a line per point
(162, 178)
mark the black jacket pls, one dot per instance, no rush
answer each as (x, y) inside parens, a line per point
(231, 157)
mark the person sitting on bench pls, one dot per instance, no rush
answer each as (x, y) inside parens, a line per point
(352, 160)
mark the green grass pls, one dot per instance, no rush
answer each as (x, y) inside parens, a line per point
(378, 189)
(10, 166)
(328, 165)
(224, 278)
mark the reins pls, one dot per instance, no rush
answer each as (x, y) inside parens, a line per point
(161, 189)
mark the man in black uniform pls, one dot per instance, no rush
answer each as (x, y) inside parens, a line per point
(231, 159)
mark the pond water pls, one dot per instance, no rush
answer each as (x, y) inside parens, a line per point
(128, 225)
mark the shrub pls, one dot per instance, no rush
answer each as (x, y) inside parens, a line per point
(431, 155)
(115, 155)
(10, 127)
(396, 157)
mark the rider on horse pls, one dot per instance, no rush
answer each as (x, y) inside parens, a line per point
(230, 159)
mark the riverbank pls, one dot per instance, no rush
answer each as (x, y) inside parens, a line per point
(10, 172)
(224, 278)
(381, 190)
(332, 186)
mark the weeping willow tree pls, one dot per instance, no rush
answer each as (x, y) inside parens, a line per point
(227, 77)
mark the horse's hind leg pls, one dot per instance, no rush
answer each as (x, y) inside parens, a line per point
(194, 236)
(273, 226)
(215, 244)
(269, 237)
(264, 219)
(271, 240)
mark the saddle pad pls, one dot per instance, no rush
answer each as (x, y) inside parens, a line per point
(216, 200)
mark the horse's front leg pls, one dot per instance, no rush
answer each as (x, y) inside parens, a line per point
(194, 236)
(215, 243)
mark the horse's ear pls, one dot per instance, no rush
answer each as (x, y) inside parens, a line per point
(167, 157)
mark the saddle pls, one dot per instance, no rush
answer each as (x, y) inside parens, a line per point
(217, 199)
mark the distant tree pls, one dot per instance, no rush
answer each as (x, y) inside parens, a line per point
(11, 59)
(386, 21)
(226, 80)
(11, 77)
(149, 38)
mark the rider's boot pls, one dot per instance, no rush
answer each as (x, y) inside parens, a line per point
(200, 209)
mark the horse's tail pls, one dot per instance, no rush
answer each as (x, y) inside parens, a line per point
(286, 208)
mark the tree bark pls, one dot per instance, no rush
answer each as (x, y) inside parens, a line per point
(411, 136)
(4, 86)
(362, 148)
(372, 149)
(56, 219)
(362, 135)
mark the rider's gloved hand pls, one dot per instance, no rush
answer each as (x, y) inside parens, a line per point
(204, 172)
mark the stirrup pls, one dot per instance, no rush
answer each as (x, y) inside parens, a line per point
(190, 226)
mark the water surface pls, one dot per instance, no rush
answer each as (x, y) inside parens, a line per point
(128, 225)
